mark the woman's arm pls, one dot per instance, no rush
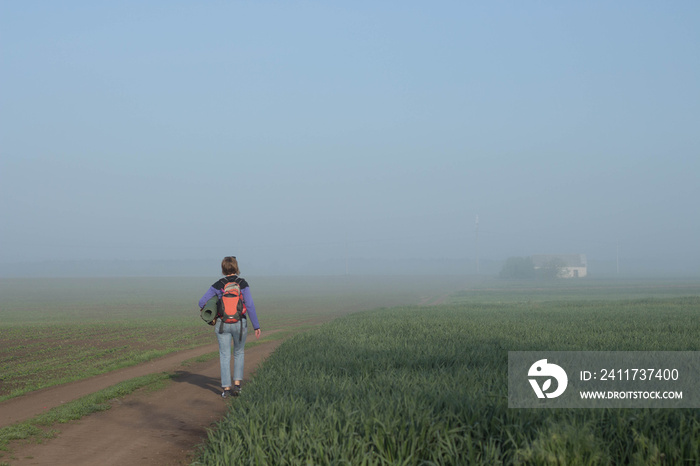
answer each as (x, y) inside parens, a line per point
(211, 292)
(250, 308)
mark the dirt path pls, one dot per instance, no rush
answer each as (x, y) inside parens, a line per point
(159, 428)
(34, 403)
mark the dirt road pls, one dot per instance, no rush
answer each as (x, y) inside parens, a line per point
(156, 428)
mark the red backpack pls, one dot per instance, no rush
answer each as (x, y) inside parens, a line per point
(230, 307)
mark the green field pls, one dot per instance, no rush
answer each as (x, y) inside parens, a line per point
(428, 385)
(378, 375)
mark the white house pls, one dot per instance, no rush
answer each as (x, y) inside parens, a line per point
(570, 265)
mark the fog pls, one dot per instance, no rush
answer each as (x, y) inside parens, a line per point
(363, 137)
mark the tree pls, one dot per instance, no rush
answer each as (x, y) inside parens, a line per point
(551, 269)
(518, 267)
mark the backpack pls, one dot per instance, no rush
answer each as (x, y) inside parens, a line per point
(230, 308)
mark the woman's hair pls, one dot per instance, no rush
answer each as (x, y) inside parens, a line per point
(229, 266)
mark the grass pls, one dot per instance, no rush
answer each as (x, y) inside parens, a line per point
(33, 358)
(509, 291)
(418, 385)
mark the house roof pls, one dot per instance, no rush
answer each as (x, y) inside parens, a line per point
(568, 260)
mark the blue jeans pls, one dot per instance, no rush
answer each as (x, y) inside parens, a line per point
(232, 332)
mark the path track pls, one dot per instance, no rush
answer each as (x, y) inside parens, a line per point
(160, 428)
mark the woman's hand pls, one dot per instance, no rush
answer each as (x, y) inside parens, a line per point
(257, 333)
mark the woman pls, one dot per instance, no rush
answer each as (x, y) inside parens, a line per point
(236, 332)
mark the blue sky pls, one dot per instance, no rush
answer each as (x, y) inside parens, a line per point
(307, 131)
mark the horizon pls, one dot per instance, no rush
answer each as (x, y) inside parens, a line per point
(105, 268)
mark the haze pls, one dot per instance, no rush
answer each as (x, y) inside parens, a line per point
(349, 137)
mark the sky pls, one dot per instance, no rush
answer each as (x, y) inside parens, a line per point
(305, 132)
